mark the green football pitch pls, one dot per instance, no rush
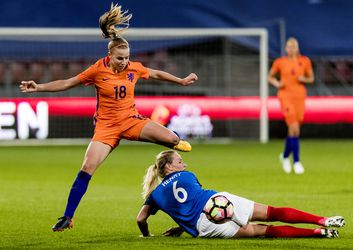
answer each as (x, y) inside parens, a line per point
(35, 181)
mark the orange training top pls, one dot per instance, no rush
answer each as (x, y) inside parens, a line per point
(289, 70)
(115, 91)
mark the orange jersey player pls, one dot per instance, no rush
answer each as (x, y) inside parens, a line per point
(115, 91)
(114, 78)
(116, 113)
(294, 71)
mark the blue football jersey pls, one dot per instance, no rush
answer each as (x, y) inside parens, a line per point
(181, 196)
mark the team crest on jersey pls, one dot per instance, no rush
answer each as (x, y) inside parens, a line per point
(130, 76)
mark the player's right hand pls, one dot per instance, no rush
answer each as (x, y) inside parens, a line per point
(28, 86)
(191, 78)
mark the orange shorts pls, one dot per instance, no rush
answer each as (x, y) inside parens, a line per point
(293, 109)
(111, 134)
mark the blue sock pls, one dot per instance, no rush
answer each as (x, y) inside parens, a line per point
(78, 189)
(287, 147)
(295, 149)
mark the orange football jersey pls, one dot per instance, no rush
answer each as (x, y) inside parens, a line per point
(115, 91)
(289, 71)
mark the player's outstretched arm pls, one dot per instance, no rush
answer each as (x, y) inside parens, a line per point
(142, 220)
(165, 76)
(54, 86)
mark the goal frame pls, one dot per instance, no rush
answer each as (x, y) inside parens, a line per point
(150, 33)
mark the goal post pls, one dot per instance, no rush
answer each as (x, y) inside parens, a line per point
(217, 68)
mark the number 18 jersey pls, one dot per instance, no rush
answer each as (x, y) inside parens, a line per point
(115, 91)
(182, 197)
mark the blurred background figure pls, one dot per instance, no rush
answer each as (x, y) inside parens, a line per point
(294, 71)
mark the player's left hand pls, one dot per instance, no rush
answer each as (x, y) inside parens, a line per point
(174, 232)
(189, 79)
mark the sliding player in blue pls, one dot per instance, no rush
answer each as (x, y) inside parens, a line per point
(177, 192)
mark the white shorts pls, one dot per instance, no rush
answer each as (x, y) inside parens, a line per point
(243, 210)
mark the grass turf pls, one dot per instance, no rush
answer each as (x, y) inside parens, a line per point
(35, 181)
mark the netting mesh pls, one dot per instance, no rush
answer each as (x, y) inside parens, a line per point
(225, 68)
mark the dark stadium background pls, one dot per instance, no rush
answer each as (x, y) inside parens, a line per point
(323, 28)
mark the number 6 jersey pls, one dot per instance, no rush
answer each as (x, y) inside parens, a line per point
(181, 196)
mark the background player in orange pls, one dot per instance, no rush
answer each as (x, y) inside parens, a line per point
(294, 72)
(116, 117)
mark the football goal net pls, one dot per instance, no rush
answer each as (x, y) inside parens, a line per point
(231, 64)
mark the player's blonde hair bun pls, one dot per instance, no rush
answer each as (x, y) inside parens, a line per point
(114, 21)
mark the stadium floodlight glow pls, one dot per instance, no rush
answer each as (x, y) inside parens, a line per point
(141, 34)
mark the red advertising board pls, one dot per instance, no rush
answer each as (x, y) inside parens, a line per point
(327, 110)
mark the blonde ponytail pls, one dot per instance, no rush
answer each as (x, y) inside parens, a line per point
(150, 181)
(156, 172)
(114, 22)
